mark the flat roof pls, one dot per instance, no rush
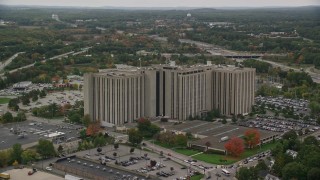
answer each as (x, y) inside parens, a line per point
(75, 166)
(18, 174)
(213, 131)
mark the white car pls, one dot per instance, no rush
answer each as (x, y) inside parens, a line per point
(48, 168)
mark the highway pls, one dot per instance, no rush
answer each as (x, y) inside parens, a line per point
(315, 77)
(9, 60)
(52, 58)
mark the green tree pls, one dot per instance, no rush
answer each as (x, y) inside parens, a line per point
(313, 173)
(224, 120)
(290, 135)
(311, 140)
(314, 107)
(45, 148)
(247, 174)
(7, 117)
(86, 120)
(21, 116)
(42, 94)
(181, 140)
(4, 158)
(135, 137)
(16, 153)
(294, 170)
(99, 141)
(234, 119)
(75, 117)
(60, 149)
(29, 156)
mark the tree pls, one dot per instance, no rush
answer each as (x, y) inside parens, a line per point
(234, 119)
(16, 152)
(35, 98)
(208, 144)
(45, 148)
(83, 133)
(235, 146)
(60, 149)
(135, 137)
(116, 146)
(311, 140)
(4, 158)
(314, 173)
(251, 138)
(21, 116)
(29, 155)
(290, 135)
(93, 128)
(86, 120)
(224, 120)
(53, 108)
(75, 117)
(7, 117)
(167, 138)
(294, 170)
(146, 128)
(99, 149)
(181, 140)
(42, 94)
(247, 173)
(99, 141)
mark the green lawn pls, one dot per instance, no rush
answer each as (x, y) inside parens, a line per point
(215, 158)
(197, 177)
(187, 152)
(4, 100)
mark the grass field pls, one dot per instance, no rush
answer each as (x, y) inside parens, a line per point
(187, 152)
(215, 158)
(4, 100)
(197, 177)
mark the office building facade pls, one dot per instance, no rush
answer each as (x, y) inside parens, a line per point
(119, 96)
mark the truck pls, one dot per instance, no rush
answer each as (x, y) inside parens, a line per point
(4, 176)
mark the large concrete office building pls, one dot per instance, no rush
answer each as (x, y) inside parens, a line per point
(118, 96)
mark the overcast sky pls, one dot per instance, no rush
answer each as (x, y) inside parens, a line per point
(164, 3)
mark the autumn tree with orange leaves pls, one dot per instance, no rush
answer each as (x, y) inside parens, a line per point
(251, 138)
(93, 128)
(235, 146)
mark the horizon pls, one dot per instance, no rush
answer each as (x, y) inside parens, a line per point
(161, 4)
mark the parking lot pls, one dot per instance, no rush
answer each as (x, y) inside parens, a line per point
(13, 92)
(31, 131)
(90, 169)
(300, 106)
(59, 98)
(138, 161)
(277, 124)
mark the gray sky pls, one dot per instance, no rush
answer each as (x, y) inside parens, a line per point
(164, 3)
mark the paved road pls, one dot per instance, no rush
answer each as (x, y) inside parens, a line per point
(8, 61)
(55, 57)
(315, 76)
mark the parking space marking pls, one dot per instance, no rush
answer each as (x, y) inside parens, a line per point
(194, 126)
(210, 129)
(226, 132)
